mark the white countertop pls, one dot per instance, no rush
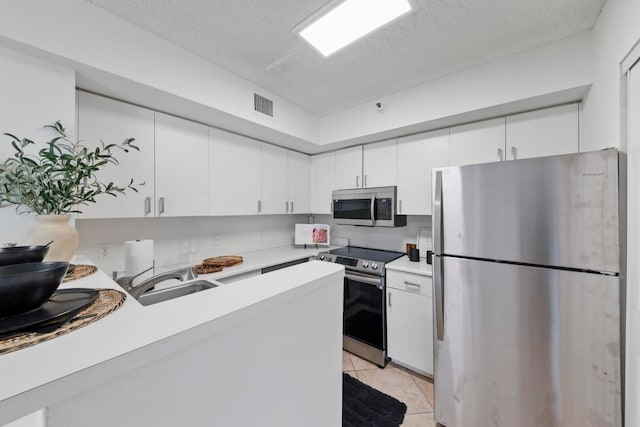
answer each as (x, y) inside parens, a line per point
(416, 267)
(133, 334)
(256, 260)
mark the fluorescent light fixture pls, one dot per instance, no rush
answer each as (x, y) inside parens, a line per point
(351, 20)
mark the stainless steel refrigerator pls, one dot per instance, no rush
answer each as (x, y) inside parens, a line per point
(527, 286)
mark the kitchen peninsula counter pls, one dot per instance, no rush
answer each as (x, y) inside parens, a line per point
(218, 347)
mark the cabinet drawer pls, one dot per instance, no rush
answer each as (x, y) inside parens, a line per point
(416, 283)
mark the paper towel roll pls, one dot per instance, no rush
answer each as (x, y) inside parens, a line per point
(138, 257)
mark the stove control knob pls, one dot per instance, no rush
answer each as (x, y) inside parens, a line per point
(321, 257)
(365, 264)
(328, 258)
(374, 266)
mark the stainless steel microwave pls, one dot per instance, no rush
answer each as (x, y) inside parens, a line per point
(373, 207)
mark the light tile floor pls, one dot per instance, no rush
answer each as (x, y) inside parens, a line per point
(408, 387)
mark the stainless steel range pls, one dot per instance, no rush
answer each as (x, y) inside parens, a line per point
(365, 320)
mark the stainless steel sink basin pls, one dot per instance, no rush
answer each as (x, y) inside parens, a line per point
(154, 297)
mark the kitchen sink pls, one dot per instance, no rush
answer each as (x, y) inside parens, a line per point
(154, 297)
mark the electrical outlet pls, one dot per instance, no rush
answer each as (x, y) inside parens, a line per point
(104, 251)
(217, 240)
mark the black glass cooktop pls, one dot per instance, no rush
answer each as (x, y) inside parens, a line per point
(377, 255)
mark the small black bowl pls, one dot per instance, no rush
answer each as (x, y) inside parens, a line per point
(27, 286)
(22, 254)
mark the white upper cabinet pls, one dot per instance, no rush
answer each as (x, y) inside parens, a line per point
(349, 168)
(274, 177)
(182, 167)
(299, 182)
(323, 182)
(417, 155)
(545, 132)
(480, 142)
(379, 164)
(103, 119)
(234, 174)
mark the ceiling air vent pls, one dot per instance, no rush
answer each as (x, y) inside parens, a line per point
(262, 105)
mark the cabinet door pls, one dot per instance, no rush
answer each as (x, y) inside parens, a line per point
(410, 329)
(182, 167)
(299, 183)
(417, 155)
(349, 168)
(234, 174)
(274, 180)
(543, 132)
(379, 164)
(103, 119)
(323, 170)
(480, 142)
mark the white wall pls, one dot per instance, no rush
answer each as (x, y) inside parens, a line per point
(614, 34)
(237, 235)
(34, 93)
(111, 54)
(540, 72)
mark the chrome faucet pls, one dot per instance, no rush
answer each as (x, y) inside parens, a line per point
(182, 274)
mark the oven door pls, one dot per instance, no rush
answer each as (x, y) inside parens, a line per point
(364, 316)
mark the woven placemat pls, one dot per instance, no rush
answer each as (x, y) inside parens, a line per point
(80, 271)
(108, 301)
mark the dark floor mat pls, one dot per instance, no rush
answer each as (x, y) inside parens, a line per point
(364, 406)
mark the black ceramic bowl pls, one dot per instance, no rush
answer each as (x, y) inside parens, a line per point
(21, 254)
(27, 286)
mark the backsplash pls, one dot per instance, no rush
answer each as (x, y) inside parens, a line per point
(210, 236)
(393, 239)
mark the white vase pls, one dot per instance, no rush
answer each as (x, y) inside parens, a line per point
(55, 228)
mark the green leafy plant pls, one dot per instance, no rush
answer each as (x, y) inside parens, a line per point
(62, 175)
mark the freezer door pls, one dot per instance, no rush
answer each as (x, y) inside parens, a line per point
(553, 211)
(526, 346)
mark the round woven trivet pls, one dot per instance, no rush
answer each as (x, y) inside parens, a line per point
(108, 301)
(80, 271)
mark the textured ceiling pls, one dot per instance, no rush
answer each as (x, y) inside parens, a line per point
(253, 39)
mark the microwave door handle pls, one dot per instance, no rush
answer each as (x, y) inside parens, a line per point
(373, 210)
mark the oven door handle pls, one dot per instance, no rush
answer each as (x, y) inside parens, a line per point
(364, 279)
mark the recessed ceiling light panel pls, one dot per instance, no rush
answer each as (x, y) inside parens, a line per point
(351, 20)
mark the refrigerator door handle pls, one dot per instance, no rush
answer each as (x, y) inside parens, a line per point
(437, 215)
(438, 280)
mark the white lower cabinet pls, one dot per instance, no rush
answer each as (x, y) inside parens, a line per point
(410, 321)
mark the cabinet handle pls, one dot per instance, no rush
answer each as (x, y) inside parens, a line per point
(259, 206)
(147, 205)
(291, 207)
(412, 284)
(357, 181)
(513, 152)
(286, 207)
(161, 205)
(400, 206)
(389, 300)
(499, 154)
(365, 181)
